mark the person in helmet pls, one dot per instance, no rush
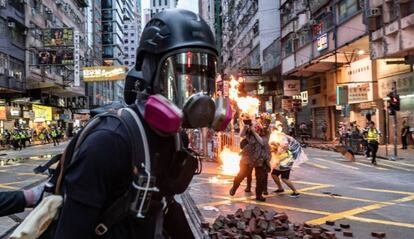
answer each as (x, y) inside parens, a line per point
(170, 88)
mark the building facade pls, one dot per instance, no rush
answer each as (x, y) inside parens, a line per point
(325, 53)
(157, 6)
(55, 53)
(391, 33)
(132, 33)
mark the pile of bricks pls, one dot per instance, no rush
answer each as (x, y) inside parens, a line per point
(264, 224)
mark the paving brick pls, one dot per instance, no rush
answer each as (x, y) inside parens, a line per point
(348, 234)
(378, 234)
(330, 223)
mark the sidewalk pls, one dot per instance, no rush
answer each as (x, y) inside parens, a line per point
(330, 146)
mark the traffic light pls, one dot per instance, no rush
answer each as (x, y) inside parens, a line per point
(395, 102)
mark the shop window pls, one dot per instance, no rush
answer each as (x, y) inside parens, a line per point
(348, 8)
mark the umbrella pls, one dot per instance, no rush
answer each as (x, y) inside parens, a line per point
(347, 152)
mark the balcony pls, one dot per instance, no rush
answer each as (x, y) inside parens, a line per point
(377, 35)
(407, 21)
(391, 28)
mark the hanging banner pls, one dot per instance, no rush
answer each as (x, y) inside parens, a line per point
(76, 66)
(42, 113)
(55, 57)
(291, 87)
(322, 42)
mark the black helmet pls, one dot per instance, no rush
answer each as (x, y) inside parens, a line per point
(173, 29)
(177, 56)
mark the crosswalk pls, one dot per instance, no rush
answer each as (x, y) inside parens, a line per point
(361, 163)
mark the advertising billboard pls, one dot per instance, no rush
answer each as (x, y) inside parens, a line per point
(42, 113)
(3, 114)
(56, 57)
(57, 37)
(104, 73)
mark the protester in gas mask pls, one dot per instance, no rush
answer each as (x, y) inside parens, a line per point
(178, 61)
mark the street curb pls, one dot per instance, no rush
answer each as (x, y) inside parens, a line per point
(194, 216)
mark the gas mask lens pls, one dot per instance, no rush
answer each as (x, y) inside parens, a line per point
(186, 73)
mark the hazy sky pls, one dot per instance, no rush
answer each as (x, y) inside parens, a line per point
(186, 4)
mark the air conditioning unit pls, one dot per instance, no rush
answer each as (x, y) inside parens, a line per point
(374, 12)
(11, 24)
(11, 73)
(24, 32)
(329, 9)
(313, 22)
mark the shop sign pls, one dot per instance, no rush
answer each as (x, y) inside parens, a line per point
(64, 117)
(13, 113)
(405, 84)
(251, 72)
(304, 98)
(342, 95)
(268, 105)
(360, 71)
(76, 65)
(56, 117)
(291, 87)
(81, 117)
(3, 115)
(322, 42)
(28, 114)
(104, 73)
(42, 112)
(359, 92)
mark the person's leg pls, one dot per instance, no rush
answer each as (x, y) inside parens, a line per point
(275, 175)
(260, 178)
(265, 192)
(285, 178)
(249, 180)
(244, 169)
(374, 152)
(404, 142)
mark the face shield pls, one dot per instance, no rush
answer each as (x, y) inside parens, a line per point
(185, 73)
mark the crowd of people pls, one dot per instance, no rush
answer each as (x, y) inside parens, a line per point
(19, 138)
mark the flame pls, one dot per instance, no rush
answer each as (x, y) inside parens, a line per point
(230, 162)
(249, 105)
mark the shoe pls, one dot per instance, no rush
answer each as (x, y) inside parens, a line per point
(369, 158)
(279, 191)
(374, 163)
(265, 193)
(248, 190)
(294, 195)
(260, 199)
(232, 191)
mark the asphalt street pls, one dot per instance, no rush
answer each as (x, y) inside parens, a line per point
(369, 198)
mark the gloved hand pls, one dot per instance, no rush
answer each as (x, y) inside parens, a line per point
(34, 195)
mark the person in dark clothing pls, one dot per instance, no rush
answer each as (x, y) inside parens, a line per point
(102, 169)
(252, 157)
(16, 201)
(404, 133)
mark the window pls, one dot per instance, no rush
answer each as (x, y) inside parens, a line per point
(407, 8)
(153, 3)
(348, 8)
(126, 62)
(132, 41)
(3, 27)
(287, 47)
(4, 61)
(165, 2)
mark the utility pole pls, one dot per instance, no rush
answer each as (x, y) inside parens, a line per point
(394, 106)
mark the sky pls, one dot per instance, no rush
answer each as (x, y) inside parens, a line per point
(186, 4)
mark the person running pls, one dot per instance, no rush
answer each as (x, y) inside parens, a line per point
(286, 151)
(372, 138)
